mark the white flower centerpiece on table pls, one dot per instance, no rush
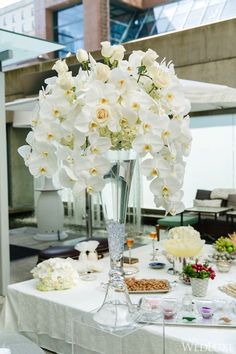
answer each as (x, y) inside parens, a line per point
(117, 107)
(184, 242)
(116, 104)
(55, 274)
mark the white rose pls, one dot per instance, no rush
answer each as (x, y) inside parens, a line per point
(60, 67)
(118, 53)
(160, 77)
(81, 55)
(66, 81)
(107, 49)
(102, 72)
(149, 57)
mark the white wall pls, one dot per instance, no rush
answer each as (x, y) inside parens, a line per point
(211, 163)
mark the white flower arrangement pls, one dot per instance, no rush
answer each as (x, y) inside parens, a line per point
(135, 103)
(184, 241)
(55, 274)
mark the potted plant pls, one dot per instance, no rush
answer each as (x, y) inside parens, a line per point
(199, 275)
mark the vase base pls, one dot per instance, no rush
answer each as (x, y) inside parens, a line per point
(53, 236)
(115, 316)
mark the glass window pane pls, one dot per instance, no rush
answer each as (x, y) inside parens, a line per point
(194, 18)
(146, 29)
(157, 11)
(69, 29)
(198, 4)
(184, 6)
(72, 14)
(162, 25)
(178, 21)
(213, 2)
(117, 29)
(74, 30)
(169, 10)
(212, 13)
(229, 9)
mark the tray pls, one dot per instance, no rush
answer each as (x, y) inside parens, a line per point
(199, 322)
(149, 291)
(221, 313)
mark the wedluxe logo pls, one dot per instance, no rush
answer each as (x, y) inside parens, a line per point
(208, 347)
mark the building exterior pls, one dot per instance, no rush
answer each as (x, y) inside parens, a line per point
(86, 23)
(19, 17)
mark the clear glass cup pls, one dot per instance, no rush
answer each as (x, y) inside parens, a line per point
(153, 237)
(130, 243)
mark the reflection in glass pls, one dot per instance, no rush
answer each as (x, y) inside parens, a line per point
(229, 9)
(130, 23)
(212, 13)
(69, 28)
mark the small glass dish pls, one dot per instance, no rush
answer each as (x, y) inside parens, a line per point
(206, 308)
(130, 269)
(223, 266)
(170, 308)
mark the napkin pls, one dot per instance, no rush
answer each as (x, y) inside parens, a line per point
(82, 247)
(85, 267)
(92, 245)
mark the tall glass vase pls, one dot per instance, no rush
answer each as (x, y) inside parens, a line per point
(117, 311)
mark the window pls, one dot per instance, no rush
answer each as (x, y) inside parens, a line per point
(127, 23)
(69, 28)
(229, 9)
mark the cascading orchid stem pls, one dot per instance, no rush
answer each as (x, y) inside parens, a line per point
(121, 104)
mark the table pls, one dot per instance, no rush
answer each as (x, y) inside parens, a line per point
(231, 215)
(47, 317)
(208, 210)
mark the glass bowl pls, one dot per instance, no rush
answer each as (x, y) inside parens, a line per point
(170, 308)
(205, 308)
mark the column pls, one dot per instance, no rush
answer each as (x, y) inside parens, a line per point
(96, 23)
(4, 223)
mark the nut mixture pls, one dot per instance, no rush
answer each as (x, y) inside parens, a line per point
(147, 284)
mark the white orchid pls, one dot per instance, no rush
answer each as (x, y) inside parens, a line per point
(96, 166)
(115, 104)
(148, 143)
(98, 145)
(88, 182)
(156, 167)
(149, 58)
(165, 188)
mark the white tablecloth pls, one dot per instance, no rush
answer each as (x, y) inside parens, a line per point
(48, 317)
